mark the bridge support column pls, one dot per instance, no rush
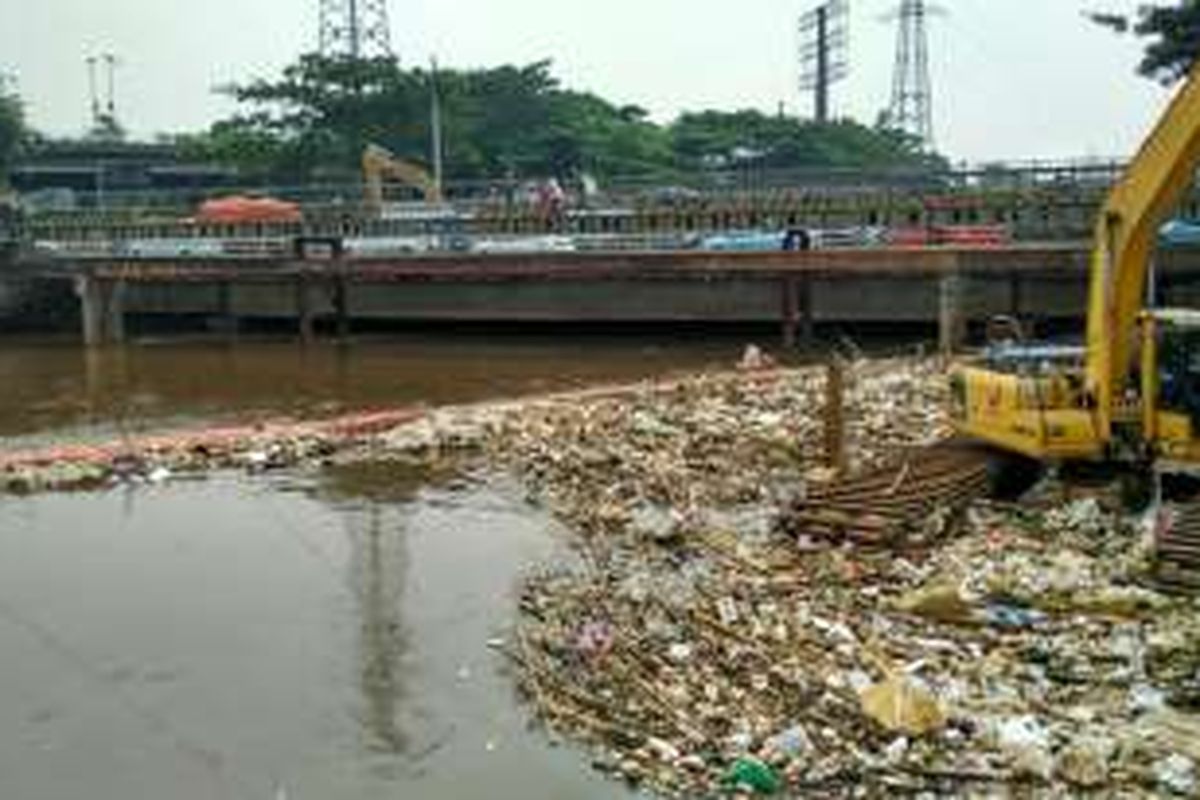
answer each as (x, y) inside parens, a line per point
(101, 310)
(226, 316)
(114, 308)
(1015, 300)
(304, 311)
(341, 309)
(808, 322)
(952, 323)
(789, 307)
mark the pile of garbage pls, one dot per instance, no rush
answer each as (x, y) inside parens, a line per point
(153, 459)
(697, 649)
(708, 451)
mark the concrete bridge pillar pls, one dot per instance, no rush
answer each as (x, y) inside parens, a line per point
(808, 323)
(952, 322)
(796, 310)
(227, 319)
(789, 310)
(102, 310)
(1015, 295)
(304, 311)
(341, 309)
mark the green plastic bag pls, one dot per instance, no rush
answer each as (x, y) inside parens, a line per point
(750, 773)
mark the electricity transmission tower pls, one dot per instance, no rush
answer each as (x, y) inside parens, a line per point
(104, 115)
(355, 29)
(911, 109)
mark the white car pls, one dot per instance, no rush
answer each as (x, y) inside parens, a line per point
(389, 245)
(525, 244)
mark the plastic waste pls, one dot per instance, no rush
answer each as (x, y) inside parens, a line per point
(896, 750)
(790, 742)
(158, 475)
(941, 602)
(595, 639)
(1177, 774)
(1027, 743)
(727, 610)
(899, 705)
(680, 652)
(751, 774)
(1084, 763)
(1144, 698)
(1006, 616)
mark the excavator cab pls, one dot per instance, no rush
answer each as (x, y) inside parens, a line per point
(1170, 386)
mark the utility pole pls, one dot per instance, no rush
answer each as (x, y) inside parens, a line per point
(911, 108)
(95, 98)
(355, 31)
(110, 62)
(435, 125)
(104, 112)
(824, 43)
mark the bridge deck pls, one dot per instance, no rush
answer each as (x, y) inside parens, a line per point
(885, 285)
(549, 266)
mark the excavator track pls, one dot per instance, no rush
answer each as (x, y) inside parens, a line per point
(1177, 550)
(911, 501)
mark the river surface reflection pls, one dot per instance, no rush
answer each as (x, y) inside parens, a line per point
(299, 636)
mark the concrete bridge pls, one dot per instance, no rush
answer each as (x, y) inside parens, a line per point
(319, 287)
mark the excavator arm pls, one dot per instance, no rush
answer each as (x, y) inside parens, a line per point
(1050, 403)
(378, 163)
(1124, 239)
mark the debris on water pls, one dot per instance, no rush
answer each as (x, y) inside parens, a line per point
(158, 475)
(790, 743)
(901, 706)
(157, 458)
(1177, 774)
(741, 617)
(956, 646)
(1085, 762)
(750, 774)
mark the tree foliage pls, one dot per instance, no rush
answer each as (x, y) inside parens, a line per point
(715, 138)
(12, 127)
(1173, 32)
(506, 121)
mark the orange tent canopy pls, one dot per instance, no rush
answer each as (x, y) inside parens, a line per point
(247, 209)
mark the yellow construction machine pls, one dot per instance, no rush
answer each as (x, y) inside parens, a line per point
(378, 163)
(1132, 394)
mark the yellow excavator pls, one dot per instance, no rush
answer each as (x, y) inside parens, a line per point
(378, 163)
(1131, 396)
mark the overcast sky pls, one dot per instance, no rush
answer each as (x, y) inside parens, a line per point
(1011, 78)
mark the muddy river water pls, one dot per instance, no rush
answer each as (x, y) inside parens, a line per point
(300, 635)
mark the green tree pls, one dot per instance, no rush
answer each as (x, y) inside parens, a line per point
(715, 138)
(508, 121)
(13, 133)
(1173, 32)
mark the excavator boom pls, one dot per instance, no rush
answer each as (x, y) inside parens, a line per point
(1051, 404)
(1124, 239)
(378, 163)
